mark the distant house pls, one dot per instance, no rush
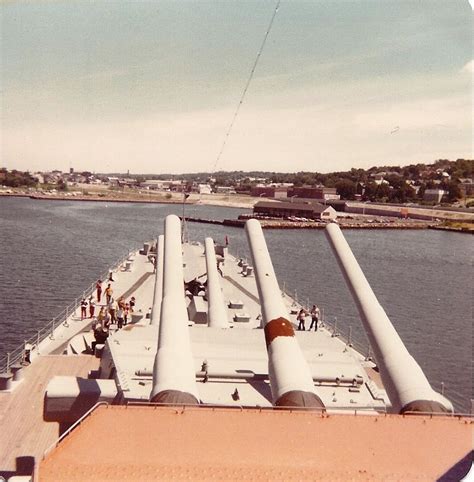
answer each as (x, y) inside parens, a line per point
(225, 189)
(269, 191)
(204, 189)
(286, 209)
(155, 184)
(433, 195)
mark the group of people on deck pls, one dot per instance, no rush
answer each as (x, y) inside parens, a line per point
(301, 318)
(111, 312)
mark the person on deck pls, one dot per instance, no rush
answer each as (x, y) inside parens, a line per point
(91, 307)
(101, 315)
(100, 334)
(98, 287)
(108, 293)
(314, 317)
(132, 304)
(120, 316)
(126, 312)
(113, 310)
(301, 319)
(83, 308)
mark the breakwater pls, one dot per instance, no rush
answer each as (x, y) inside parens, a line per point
(343, 224)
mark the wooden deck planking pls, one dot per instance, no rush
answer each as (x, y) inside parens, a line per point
(23, 431)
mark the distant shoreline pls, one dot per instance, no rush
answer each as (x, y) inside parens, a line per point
(225, 201)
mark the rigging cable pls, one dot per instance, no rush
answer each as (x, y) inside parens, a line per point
(244, 92)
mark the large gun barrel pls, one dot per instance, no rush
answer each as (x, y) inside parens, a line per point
(174, 378)
(217, 311)
(405, 383)
(158, 293)
(290, 378)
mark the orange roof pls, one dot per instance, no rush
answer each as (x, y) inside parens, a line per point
(150, 443)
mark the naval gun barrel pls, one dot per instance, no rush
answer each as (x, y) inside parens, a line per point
(217, 311)
(158, 293)
(290, 378)
(404, 380)
(174, 378)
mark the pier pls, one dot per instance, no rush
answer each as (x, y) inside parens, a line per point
(343, 223)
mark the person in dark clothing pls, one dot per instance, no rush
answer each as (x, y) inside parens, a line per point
(100, 334)
(83, 308)
(314, 318)
(98, 287)
(301, 319)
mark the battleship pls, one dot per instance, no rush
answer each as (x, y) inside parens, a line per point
(211, 378)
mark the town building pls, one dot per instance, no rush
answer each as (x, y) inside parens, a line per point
(285, 209)
(319, 192)
(278, 192)
(204, 189)
(433, 195)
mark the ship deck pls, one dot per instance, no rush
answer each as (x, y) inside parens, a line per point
(161, 443)
(24, 435)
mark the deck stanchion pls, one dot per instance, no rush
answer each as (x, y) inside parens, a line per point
(8, 362)
(37, 340)
(51, 336)
(368, 357)
(334, 330)
(349, 338)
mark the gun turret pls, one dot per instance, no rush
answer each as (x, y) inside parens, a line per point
(290, 378)
(174, 378)
(405, 383)
(217, 311)
(158, 293)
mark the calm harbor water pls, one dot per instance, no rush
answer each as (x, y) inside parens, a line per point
(52, 250)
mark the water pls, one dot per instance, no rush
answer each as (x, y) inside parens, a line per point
(52, 250)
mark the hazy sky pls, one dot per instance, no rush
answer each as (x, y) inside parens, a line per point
(151, 86)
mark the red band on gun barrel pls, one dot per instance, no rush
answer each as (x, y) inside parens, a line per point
(277, 327)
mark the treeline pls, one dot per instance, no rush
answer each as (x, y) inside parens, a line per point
(16, 178)
(400, 184)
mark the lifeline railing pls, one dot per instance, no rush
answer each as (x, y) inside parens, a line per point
(18, 354)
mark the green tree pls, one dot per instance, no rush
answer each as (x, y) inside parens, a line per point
(62, 185)
(454, 191)
(346, 188)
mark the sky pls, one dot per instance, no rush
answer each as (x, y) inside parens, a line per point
(152, 86)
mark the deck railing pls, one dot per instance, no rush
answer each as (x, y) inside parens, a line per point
(32, 344)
